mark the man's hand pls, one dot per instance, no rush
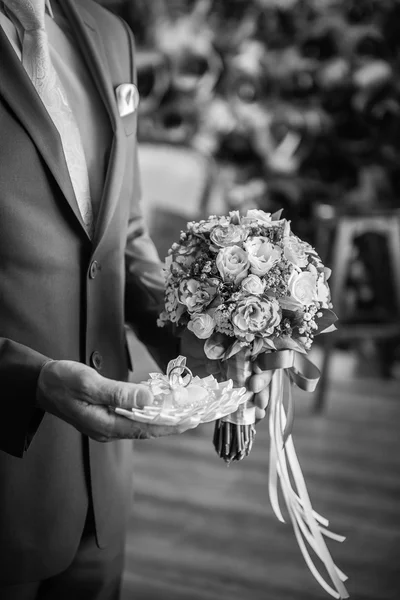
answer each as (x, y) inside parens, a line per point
(83, 398)
(259, 384)
(197, 361)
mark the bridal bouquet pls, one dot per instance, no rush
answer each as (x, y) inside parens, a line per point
(247, 286)
(251, 289)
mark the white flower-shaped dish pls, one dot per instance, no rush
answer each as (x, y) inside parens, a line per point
(181, 399)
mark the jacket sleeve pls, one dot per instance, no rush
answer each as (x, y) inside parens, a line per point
(144, 291)
(20, 368)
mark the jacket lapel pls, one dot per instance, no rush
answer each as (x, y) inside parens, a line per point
(19, 93)
(91, 48)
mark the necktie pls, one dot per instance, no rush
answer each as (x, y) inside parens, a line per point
(37, 62)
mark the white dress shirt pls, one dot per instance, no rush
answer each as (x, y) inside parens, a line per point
(83, 97)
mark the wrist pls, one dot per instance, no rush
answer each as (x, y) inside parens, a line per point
(41, 384)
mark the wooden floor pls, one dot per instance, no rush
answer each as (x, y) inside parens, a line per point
(202, 531)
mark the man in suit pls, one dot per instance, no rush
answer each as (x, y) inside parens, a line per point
(76, 264)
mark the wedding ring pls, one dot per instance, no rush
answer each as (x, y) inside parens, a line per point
(182, 368)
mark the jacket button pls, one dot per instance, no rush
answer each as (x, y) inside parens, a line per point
(96, 360)
(94, 269)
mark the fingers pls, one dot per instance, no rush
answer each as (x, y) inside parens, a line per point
(260, 381)
(259, 384)
(260, 414)
(119, 394)
(102, 424)
(111, 426)
(262, 399)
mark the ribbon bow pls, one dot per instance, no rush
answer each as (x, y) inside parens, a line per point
(292, 367)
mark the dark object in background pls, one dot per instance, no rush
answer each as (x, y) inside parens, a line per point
(336, 61)
(303, 108)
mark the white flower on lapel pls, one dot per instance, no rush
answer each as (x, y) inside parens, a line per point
(127, 96)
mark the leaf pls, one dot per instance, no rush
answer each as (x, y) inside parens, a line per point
(268, 344)
(179, 311)
(257, 347)
(328, 318)
(290, 305)
(285, 342)
(234, 349)
(277, 215)
(329, 329)
(216, 346)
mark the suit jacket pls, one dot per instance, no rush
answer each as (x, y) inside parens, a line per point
(55, 302)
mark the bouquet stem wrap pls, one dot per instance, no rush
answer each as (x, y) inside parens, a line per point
(234, 434)
(239, 368)
(285, 471)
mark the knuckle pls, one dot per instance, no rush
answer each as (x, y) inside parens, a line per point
(256, 383)
(86, 384)
(119, 397)
(260, 414)
(261, 400)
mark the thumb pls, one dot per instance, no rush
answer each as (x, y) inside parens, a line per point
(120, 394)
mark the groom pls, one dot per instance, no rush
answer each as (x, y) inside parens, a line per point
(76, 263)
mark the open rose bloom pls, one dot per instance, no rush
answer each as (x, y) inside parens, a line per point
(246, 285)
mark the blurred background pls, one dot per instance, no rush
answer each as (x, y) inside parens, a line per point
(271, 104)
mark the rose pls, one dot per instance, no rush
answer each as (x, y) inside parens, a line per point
(183, 254)
(196, 294)
(206, 226)
(202, 325)
(187, 248)
(260, 216)
(294, 251)
(265, 219)
(234, 217)
(303, 288)
(185, 261)
(262, 254)
(253, 285)
(227, 235)
(253, 315)
(232, 263)
(323, 292)
(203, 226)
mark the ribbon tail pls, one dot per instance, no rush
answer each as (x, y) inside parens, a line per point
(304, 519)
(273, 457)
(290, 415)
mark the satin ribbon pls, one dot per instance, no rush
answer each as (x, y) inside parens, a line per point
(292, 367)
(300, 370)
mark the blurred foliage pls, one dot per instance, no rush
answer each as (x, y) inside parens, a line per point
(298, 100)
